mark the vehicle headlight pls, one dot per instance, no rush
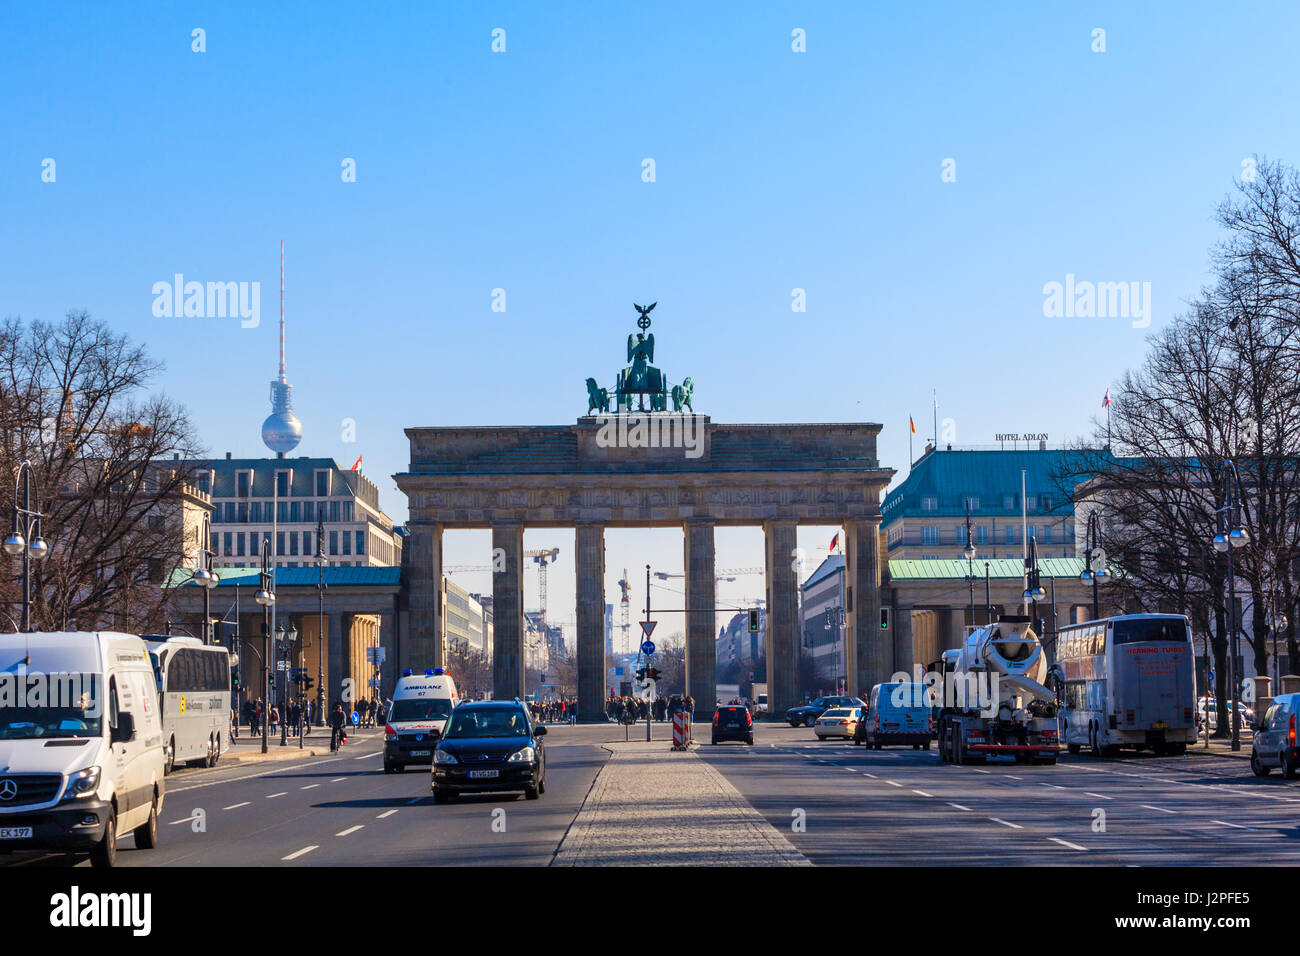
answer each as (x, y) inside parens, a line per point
(82, 784)
(443, 757)
(523, 755)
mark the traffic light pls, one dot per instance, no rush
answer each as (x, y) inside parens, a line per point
(234, 682)
(652, 673)
(270, 679)
(640, 675)
(884, 618)
(308, 683)
(753, 620)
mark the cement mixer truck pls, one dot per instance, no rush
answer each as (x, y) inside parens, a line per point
(990, 698)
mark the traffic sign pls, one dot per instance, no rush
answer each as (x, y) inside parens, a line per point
(648, 627)
(282, 665)
(647, 648)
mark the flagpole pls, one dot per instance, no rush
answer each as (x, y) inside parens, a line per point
(936, 419)
(910, 456)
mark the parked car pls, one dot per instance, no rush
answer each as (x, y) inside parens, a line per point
(807, 714)
(733, 722)
(838, 722)
(1274, 743)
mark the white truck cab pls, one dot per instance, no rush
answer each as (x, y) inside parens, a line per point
(81, 743)
(417, 718)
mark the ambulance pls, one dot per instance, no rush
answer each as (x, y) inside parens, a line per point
(416, 720)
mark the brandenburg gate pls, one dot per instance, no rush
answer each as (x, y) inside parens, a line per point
(619, 467)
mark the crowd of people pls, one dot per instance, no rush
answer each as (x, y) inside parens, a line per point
(300, 713)
(628, 709)
(560, 710)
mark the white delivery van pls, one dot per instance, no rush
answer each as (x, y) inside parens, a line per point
(416, 720)
(81, 743)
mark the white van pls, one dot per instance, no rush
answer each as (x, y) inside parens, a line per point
(417, 718)
(81, 743)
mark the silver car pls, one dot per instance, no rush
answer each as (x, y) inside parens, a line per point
(1274, 744)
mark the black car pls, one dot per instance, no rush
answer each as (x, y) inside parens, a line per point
(489, 746)
(808, 713)
(733, 722)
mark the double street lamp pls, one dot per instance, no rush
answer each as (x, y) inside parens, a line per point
(25, 540)
(1092, 542)
(969, 551)
(1232, 535)
(1034, 590)
(205, 577)
(285, 637)
(266, 597)
(320, 622)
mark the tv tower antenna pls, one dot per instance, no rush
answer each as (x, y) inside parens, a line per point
(281, 431)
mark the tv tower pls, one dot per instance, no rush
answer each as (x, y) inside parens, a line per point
(281, 431)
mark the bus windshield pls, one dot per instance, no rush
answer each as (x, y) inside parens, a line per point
(1164, 630)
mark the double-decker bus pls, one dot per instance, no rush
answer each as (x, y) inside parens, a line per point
(1128, 682)
(194, 692)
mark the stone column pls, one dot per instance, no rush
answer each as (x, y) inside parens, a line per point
(873, 647)
(388, 641)
(426, 646)
(337, 656)
(508, 611)
(900, 619)
(782, 637)
(701, 646)
(589, 541)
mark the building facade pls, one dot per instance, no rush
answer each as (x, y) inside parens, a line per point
(925, 515)
(821, 621)
(283, 499)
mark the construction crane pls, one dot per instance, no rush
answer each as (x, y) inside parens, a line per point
(542, 558)
(625, 605)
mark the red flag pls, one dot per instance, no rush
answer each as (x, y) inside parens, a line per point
(912, 423)
(356, 465)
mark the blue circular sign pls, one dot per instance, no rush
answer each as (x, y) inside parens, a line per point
(647, 647)
(356, 718)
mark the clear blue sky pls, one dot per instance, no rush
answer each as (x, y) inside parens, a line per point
(522, 171)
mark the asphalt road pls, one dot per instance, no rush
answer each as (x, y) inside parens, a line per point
(345, 811)
(903, 807)
(853, 806)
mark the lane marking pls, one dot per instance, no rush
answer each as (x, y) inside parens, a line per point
(351, 830)
(385, 815)
(280, 794)
(311, 786)
(922, 793)
(337, 779)
(303, 852)
(1072, 846)
(1147, 806)
(1099, 796)
(186, 820)
(1014, 826)
(978, 770)
(1013, 776)
(960, 807)
(366, 756)
(892, 784)
(1235, 826)
(1055, 786)
(236, 806)
(871, 775)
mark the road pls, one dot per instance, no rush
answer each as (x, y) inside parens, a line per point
(891, 807)
(903, 807)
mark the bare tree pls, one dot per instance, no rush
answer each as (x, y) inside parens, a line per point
(74, 402)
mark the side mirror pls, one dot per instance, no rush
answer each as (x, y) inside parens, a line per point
(124, 732)
(539, 730)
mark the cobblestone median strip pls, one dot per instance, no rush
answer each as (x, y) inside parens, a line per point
(650, 806)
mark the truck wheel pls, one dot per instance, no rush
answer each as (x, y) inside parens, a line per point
(146, 834)
(104, 853)
(1072, 748)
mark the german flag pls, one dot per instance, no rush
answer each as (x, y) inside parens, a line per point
(912, 424)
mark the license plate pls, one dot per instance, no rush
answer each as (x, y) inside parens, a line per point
(15, 833)
(420, 753)
(733, 725)
(484, 774)
(1160, 725)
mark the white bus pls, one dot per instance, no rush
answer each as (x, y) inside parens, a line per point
(1128, 682)
(194, 689)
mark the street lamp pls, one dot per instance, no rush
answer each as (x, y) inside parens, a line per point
(320, 622)
(26, 541)
(282, 646)
(1092, 542)
(1034, 591)
(1231, 535)
(204, 576)
(969, 551)
(266, 597)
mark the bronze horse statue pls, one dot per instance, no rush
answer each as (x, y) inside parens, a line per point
(597, 397)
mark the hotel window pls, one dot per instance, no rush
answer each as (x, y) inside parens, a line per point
(347, 543)
(974, 503)
(930, 535)
(255, 512)
(295, 512)
(230, 512)
(309, 511)
(981, 534)
(282, 483)
(1011, 534)
(322, 483)
(347, 511)
(243, 484)
(282, 511)
(1030, 502)
(1045, 502)
(226, 550)
(279, 543)
(1009, 503)
(929, 504)
(239, 543)
(243, 512)
(334, 511)
(334, 542)
(1047, 534)
(361, 542)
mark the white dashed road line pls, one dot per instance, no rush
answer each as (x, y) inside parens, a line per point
(1067, 843)
(1099, 796)
(303, 852)
(367, 756)
(310, 786)
(1147, 806)
(893, 784)
(186, 820)
(958, 806)
(385, 814)
(236, 806)
(1235, 826)
(922, 793)
(274, 795)
(351, 830)
(1014, 826)
(337, 779)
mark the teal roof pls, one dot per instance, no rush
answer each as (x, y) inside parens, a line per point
(989, 475)
(299, 577)
(955, 569)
